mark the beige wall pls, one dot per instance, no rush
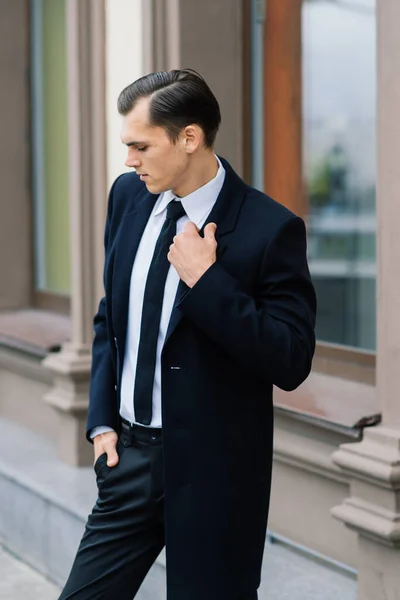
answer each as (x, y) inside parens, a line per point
(305, 486)
(206, 36)
(124, 61)
(23, 383)
(211, 41)
(15, 194)
(151, 35)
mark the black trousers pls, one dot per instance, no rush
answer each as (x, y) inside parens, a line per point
(125, 531)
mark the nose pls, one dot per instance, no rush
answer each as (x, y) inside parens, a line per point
(132, 162)
(132, 159)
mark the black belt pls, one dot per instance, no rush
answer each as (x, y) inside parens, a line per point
(141, 433)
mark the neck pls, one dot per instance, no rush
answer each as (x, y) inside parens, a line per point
(200, 171)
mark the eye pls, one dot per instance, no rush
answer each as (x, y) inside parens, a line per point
(142, 148)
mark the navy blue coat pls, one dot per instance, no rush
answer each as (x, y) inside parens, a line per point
(247, 324)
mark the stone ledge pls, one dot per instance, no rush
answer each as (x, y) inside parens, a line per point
(47, 504)
(335, 403)
(376, 458)
(307, 443)
(23, 364)
(373, 468)
(372, 521)
(36, 332)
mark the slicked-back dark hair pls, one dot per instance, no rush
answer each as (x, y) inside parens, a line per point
(177, 99)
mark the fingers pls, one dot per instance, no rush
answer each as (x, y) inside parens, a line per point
(106, 443)
(112, 455)
(209, 231)
(191, 227)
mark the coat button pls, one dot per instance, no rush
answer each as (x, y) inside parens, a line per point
(115, 342)
(116, 388)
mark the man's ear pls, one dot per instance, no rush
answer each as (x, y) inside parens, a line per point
(193, 138)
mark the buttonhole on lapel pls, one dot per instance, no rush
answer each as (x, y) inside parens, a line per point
(175, 368)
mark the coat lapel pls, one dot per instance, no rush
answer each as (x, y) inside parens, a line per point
(127, 243)
(225, 214)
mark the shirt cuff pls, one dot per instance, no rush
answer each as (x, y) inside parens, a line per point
(100, 429)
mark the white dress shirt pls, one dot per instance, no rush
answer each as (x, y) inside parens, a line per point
(198, 206)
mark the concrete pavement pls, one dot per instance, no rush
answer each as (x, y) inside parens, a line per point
(20, 582)
(286, 576)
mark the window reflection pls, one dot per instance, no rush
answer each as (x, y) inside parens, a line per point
(339, 89)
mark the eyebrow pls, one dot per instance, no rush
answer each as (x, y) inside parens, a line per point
(133, 143)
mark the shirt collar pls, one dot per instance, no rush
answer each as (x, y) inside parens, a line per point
(199, 203)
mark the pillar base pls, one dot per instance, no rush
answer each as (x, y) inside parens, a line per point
(70, 398)
(372, 510)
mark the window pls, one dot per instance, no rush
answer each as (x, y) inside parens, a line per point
(50, 147)
(319, 100)
(338, 97)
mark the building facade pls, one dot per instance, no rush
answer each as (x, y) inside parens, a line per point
(308, 91)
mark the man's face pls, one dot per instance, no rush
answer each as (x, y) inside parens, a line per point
(160, 163)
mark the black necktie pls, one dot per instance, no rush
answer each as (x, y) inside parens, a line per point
(151, 315)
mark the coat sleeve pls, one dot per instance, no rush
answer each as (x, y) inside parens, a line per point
(103, 399)
(271, 333)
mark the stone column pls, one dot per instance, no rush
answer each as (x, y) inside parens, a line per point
(87, 194)
(373, 465)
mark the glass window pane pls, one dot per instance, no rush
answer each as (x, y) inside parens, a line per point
(50, 145)
(339, 114)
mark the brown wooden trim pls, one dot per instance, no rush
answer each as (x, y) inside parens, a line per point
(246, 119)
(50, 302)
(345, 362)
(283, 104)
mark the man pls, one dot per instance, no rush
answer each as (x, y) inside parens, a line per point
(208, 303)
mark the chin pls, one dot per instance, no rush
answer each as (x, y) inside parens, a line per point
(153, 188)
